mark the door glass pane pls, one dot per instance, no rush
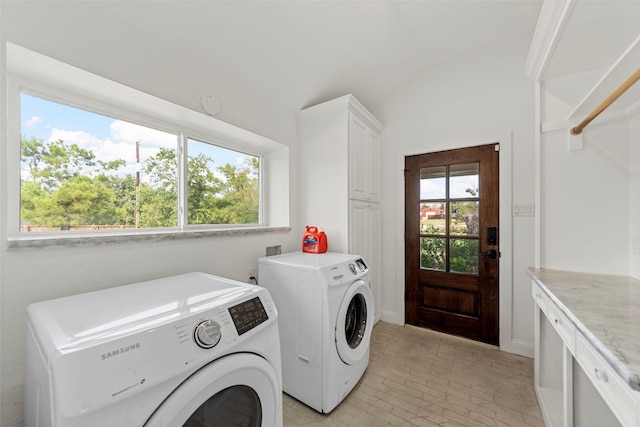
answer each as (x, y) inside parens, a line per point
(433, 182)
(464, 180)
(465, 219)
(464, 255)
(234, 406)
(432, 218)
(433, 253)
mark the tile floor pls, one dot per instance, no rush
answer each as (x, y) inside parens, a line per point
(418, 377)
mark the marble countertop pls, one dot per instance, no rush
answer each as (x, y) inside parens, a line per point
(605, 309)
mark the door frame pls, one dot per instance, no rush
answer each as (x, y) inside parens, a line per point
(505, 310)
(459, 301)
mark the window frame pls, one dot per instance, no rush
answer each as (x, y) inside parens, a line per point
(172, 118)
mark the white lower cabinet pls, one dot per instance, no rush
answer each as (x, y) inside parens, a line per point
(551, 360)
(614, 392)
(364, 239)
(574, 384)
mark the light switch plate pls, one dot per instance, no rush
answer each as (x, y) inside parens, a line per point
(524, 209)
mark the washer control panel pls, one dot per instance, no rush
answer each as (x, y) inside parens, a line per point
(247, 315)
(358, 266)
(207, 334)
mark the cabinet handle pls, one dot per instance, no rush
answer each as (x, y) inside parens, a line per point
(303, 358)
(557, 322)
(601, 375)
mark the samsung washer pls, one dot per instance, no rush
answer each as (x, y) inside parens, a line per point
(192, 350)
(325, 308)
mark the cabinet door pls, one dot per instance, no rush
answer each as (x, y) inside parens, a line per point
(364, 240)
(364, 161)
(374, 257)
(372, 175)
(358, 135)
(358, 228)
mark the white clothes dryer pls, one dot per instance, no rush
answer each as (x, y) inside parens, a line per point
(325, 308)
(192, 350)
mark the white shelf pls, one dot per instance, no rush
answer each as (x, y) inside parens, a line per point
(617, 74)
(551, 406)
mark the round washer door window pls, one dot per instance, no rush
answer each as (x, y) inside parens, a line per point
(237, 406)
(238, 390)
(354, 323)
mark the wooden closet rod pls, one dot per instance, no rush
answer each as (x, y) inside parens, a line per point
(615, 95)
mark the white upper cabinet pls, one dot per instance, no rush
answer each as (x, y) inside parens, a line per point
(364, 160)
(339, 149)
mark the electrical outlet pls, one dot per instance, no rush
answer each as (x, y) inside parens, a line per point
(274, 250)
(251, 272)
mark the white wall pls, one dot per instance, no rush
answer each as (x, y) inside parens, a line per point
(634, 196)
(30, 275)
(476, 100)
(588, 195)
(585, 201)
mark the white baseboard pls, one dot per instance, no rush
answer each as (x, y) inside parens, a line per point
(522, 348)
(392, 317)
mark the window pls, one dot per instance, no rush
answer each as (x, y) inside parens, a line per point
(88, 157)
(84, 171)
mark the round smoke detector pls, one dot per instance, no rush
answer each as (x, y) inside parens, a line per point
(210, 104)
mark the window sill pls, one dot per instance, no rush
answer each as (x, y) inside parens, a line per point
(75, 240)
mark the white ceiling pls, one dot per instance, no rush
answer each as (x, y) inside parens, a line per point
(293, 53)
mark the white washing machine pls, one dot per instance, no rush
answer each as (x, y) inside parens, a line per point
(192, 350)
(325, 309)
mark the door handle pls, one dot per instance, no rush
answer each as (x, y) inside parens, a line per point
(491, 253)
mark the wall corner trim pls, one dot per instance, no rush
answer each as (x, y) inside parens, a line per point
(551, 23)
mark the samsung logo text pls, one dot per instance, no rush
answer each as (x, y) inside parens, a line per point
(120, 351)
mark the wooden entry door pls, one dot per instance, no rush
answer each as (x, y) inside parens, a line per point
(452, 241)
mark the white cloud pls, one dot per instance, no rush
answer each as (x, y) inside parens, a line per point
(126, 132)
(81, 138)
(32, 121)
(121, 144)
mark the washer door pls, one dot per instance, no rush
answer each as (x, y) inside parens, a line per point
(239, 390)
(354, 323)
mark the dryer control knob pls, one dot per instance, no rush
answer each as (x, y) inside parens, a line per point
(207, 334)
(353, 269)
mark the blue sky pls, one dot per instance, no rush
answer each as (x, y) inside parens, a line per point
(434, 188)
(39, 116)
(108, 138)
